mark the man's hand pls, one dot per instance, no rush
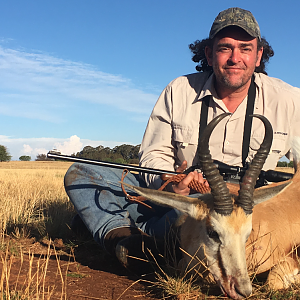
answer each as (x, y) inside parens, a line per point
(182, 187)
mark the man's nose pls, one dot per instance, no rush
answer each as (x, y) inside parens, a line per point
(235, 56)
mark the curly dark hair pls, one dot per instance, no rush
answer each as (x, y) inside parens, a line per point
(198, 50)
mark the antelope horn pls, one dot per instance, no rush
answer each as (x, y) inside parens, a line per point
(245, 198)
(222, 198)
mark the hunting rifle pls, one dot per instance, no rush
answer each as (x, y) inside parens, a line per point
(229, 173)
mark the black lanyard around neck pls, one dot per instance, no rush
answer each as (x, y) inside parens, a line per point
(247, 123)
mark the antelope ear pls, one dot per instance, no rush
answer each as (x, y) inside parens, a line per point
(266, 192)
(194, 207)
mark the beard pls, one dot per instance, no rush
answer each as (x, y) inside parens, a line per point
(232, 77)
(232, 81)
(229, 84)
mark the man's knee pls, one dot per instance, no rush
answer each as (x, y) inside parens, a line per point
(71, 175)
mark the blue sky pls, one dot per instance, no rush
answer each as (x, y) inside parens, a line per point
(76, 73)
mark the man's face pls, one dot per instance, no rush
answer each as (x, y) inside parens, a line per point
(233, 57)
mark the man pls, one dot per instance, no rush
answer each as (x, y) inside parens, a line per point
(227, 83)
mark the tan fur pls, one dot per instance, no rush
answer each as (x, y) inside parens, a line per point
(276, 231)
(236, 219)
(202, 211)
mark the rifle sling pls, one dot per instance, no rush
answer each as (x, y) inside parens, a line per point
(247, 123)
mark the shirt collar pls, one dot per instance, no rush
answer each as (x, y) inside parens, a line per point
(257, 80)
(208, 88)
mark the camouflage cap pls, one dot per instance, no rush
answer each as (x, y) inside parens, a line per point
(235, 16)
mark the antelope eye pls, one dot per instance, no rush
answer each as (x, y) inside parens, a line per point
(213, 234)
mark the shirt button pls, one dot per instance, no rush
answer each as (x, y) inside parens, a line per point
(227, 143)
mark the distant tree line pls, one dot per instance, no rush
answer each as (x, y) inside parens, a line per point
(284, 164)
(120, 154)
(124, 154)
(42, 157)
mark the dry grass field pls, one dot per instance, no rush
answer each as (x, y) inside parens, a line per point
(36, 262)
(36, 165)
(32, 196)
(33, 203)
(287, 170)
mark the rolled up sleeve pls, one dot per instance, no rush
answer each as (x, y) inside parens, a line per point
(157, 150)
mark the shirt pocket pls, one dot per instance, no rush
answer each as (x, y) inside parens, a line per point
(278, 148)
(185, 143)
(182, 135)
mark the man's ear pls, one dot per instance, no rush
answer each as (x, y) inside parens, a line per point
(259, 56)
(209, 55)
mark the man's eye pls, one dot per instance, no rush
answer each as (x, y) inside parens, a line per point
(224, 49)
(246, 49)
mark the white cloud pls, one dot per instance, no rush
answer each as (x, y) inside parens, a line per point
(37, 151)
(34, 146)
(27, 149)
(41, 86)
(73, 145)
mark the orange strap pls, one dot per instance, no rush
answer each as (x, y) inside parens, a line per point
(133, 199)
(194, 185)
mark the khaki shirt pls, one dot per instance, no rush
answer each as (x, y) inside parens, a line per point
(171, 135)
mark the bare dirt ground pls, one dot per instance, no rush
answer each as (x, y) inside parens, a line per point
(82, 272)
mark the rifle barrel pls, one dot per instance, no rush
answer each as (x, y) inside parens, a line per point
(270, 175)
(109, 164)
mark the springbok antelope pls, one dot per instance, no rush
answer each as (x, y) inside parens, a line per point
(256, 230)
